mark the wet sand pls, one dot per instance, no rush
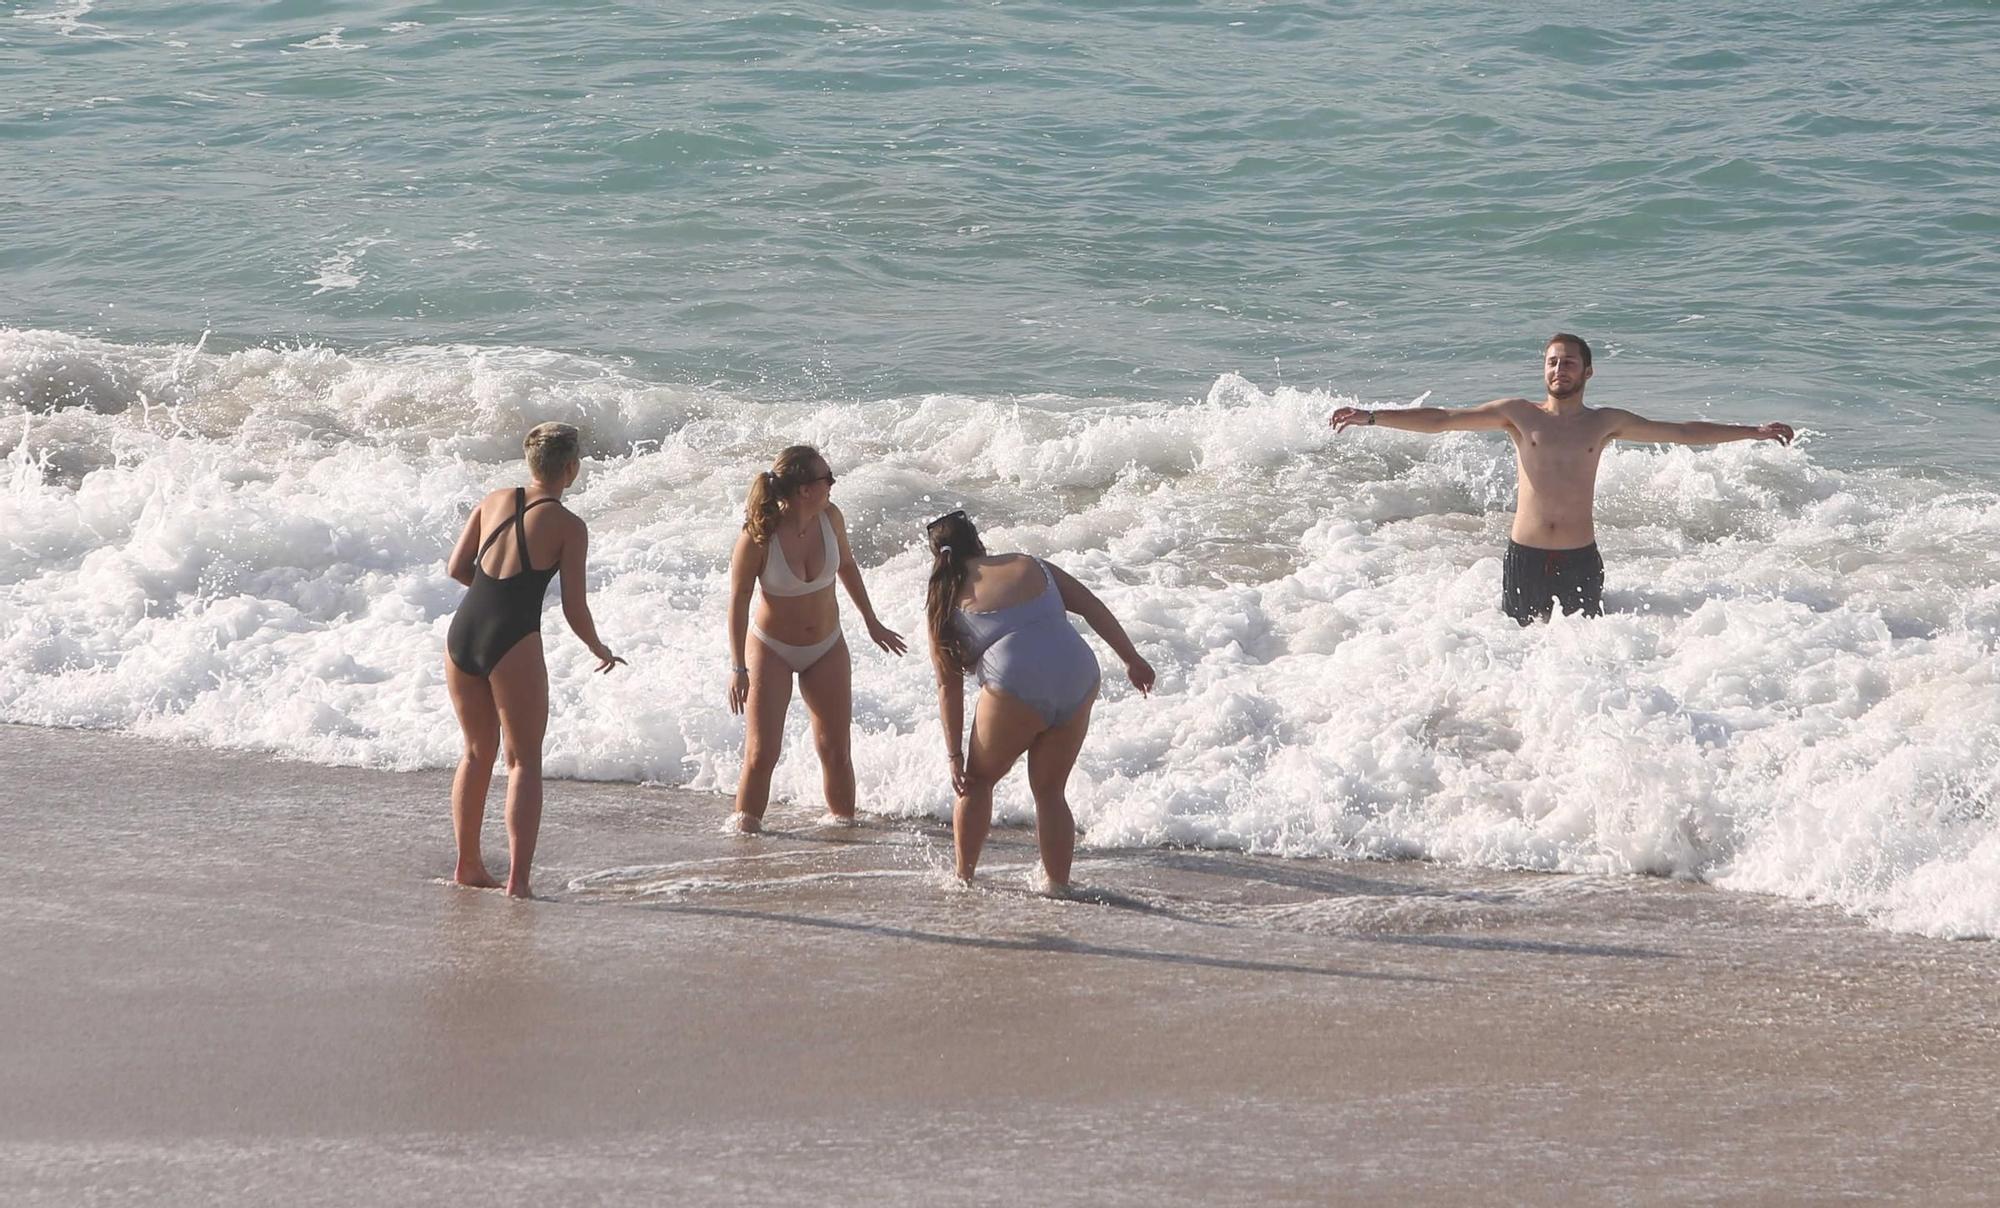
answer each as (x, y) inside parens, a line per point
(236, 980)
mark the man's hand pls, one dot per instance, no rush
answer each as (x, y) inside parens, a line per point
(1782, 433)
(1348, 417)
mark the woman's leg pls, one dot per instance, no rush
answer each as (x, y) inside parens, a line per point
(1050, 758)
(827, 687)
(521, 692)
(1002, 728)
(764, 732)
(479, 722)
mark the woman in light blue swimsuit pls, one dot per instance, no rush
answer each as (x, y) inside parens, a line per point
(1007, 616)
(792, 548)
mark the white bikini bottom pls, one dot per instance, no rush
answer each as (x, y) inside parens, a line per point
(798, 658)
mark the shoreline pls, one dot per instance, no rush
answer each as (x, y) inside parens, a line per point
(237, 977)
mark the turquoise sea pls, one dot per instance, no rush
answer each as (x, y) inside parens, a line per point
(1756, 212)
(281, 285)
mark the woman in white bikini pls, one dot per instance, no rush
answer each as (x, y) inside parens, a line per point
(793, 546)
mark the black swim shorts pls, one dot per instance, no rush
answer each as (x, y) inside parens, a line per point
(1533, 580)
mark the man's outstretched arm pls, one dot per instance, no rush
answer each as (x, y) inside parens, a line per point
(1486, 417)
(1627, 426)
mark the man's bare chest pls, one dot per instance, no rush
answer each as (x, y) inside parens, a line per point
(1560, 447)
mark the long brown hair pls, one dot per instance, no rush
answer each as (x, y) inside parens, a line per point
(953, 540)
(792, 469)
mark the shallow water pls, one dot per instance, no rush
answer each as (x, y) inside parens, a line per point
(278, 310)
(1794, 691)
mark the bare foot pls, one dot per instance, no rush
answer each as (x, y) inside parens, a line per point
(748, 824)
(475, 877)
(518, 889)
(833, 819)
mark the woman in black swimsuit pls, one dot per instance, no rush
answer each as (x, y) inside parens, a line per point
(494, 670)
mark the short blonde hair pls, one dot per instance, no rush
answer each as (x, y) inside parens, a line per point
(552, 449)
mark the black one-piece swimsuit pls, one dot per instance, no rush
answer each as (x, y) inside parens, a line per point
(496, 613)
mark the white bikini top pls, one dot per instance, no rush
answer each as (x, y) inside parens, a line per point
(777, 578)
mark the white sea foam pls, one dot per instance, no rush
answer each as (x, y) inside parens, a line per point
(330, 40)
(1795, 690)
(67, 19)
(339, 271)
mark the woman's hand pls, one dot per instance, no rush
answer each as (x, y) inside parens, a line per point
(1140, 672)
(739, 689)
(958, 773)
(885, 637)
(605, 659)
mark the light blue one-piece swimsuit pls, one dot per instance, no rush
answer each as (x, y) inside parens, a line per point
(1030, 652)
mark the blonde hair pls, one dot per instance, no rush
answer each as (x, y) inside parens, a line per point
(792, 470)
(552, 449)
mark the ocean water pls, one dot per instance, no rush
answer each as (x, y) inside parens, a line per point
(281, 286)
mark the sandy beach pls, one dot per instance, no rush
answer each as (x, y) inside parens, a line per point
(236, 980)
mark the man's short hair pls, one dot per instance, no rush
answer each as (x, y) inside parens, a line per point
(1575, 341)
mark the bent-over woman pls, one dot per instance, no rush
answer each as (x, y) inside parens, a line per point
(516, 540)
(1007, 616)
(792, 548)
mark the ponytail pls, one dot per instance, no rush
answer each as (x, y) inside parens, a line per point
(954, 541)
(770, 489)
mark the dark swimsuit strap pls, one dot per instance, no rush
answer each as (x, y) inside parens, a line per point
(521, 525)
(518, 523)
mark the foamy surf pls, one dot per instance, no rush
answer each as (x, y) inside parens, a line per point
(1794, 692)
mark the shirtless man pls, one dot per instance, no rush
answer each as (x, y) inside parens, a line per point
(1557, 444)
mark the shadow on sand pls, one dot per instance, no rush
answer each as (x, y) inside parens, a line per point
(1035, 943)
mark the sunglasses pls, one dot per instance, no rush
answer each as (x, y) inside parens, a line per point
(945, 519)
(828, 479)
